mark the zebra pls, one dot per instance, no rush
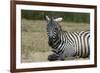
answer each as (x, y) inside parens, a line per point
(65, 43)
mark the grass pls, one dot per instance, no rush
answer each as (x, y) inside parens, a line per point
(34, 41)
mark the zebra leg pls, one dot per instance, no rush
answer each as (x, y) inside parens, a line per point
(53, 57)
(68, 52)
(62, 57)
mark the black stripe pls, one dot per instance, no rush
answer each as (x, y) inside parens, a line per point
(81, 43)
(74, 35)
(88, 38)
(85, 49)
(57, 44)
(69, 37)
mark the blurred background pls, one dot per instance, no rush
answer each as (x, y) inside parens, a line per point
(67, 16)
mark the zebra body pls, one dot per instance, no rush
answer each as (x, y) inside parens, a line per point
(66, 44)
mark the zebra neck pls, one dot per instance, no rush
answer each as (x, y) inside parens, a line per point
(54, 40)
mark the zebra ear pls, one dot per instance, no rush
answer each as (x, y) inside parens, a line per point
(58, 19)
(47, 18)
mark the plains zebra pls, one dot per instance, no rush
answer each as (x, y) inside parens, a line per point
(64, 43)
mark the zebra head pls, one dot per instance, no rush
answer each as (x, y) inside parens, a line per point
(53, 27)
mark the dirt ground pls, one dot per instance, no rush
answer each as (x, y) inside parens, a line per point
(37, 57)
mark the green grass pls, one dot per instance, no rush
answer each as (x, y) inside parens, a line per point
(34, 43)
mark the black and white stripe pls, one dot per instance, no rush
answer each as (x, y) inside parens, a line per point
(66, 44)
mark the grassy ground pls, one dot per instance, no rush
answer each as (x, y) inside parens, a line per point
(34, 41)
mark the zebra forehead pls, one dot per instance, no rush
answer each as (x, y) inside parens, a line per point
(52, 22)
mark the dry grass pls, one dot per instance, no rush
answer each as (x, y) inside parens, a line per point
(34, 45)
